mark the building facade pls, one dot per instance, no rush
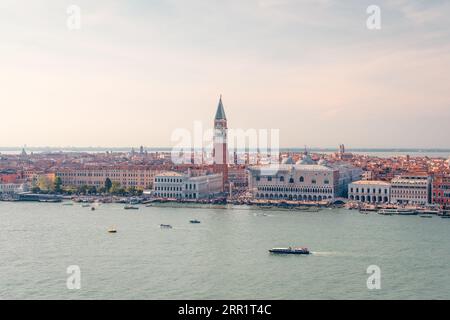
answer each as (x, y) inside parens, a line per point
(370, 191)
(301, 181)
(411, 189)
(441, 190)
(176, 185)
(126, 176)
(10, 188)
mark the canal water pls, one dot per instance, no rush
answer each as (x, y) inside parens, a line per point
(224, 257)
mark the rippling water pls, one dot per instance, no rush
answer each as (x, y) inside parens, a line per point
(224, 257)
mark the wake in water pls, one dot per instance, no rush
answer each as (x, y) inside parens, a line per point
(327, 253)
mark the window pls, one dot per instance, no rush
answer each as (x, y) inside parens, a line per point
(269, 178)
(302, 179)
(258, 178)
(282, 179)
(313, 181)
(328, 182)
(291, 180)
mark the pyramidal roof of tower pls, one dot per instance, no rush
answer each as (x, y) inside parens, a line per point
(220, 113)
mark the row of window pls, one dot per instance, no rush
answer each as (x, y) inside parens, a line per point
(409, 192)
(296, 190)
(175, 195)
(368, 190)
(83, 174)
(374, 199)
(173, 180)
(292, 196)
(291, 180)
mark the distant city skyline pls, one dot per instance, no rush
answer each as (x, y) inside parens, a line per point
(137, 70)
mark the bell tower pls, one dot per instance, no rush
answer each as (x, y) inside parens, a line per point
(220, 152)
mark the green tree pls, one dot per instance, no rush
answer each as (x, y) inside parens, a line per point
(45, 183)
(115, 188)
(57, 185)
(108, 184)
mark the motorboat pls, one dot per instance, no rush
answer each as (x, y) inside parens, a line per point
(194, 221)
(165, 226)
(290, 250)
(131, 208)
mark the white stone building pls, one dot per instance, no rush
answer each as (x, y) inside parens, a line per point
(304, 180)
(176, 185)
(13, 187)
(411, 189)
(370, 191)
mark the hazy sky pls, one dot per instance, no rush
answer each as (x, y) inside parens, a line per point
(137, 70)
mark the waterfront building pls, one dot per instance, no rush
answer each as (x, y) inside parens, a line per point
(411, 189)
(304, 180)
(184, 186)
(220, 151)
(10, 188)
(441, 190)
(126, 176)
(370, 191)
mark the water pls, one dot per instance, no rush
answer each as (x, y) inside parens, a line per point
(224, 257)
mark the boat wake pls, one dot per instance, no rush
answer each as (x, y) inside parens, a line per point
(326, 253)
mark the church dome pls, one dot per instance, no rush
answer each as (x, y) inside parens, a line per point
(287, 160)
(306, 160)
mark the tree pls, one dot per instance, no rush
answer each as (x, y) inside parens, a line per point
(57, 184)
(115, 188)
(45, 183)
(108, 184)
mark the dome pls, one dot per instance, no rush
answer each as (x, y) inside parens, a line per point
(287, 160)
(306, 160)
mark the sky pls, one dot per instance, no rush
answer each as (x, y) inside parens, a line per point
(138, 70)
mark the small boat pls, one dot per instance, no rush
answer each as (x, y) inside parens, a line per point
(427, 211)
(445, 217)
(401, 212)
(387, 212)
(165, 226)
(85, 205)
(290, 250)
(131, 208)
(426, 216)
(68, 204)
(406, 212)
(92, 208)
(112, 230)
(194, 221)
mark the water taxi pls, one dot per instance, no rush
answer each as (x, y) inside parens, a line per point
(131, 208)
(401, 212)
(290, 250)
(194, 221)
(112, 230)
